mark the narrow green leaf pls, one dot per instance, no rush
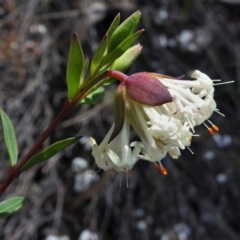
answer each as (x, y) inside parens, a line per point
(74, 66)
(9, 138)
(125, 61)
(101, 50)
(125, 29)
(10, 206)
(94, 96)
(84, 71)
(121, 49)
(49, 152)
(114, 25)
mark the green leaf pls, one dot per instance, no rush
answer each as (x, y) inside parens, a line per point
(84, 71)
(114, 25)
(124, 30)
(9, 138)
(10, 206)
(74, 66)
(94, 96)
(101, 50)
(49, 152)
(125, 61)
(120, 50)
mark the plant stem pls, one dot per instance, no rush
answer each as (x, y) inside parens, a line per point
(116, 74)
(16, 170)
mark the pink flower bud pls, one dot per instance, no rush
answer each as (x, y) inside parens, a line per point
(146, 89)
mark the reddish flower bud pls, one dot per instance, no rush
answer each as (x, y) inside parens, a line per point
(146, 89)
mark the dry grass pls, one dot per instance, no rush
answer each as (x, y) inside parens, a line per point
(199, 197)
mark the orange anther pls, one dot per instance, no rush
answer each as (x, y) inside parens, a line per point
(210, 130)
(215, 128)
(161, 169)
(156, 165)
(164, 171)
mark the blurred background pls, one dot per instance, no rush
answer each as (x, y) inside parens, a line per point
(200, 196)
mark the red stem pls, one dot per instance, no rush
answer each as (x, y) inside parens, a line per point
(116, 74)
(16, 170)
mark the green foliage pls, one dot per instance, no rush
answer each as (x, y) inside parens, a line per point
(123, 62)
(115, 44)
(84, 70)
(114, 25)
(94, 97)
(101, 50)
(110, 54)
(124, 30)
(49, 152)
(120, 49)
(10, 206)
(9, 138)
(75, 67)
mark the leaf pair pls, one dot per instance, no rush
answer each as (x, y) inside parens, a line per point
(12, 148)
(114, 52)
(11, 205)
(115, 43)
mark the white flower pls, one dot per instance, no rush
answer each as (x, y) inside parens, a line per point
(192, 99)
(163, 114)
(117, 154)
(169, 127)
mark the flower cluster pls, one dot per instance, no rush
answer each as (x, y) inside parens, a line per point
(163, 111)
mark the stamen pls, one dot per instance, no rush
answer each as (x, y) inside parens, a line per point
(120, 183)
(190, 150)
(215, 84)
(210, 130)
(191, 126)
(92, 172)
(217, 111)
(127, 180)
(94, 165)
(215, 128)
(160, 168)
(163, 169)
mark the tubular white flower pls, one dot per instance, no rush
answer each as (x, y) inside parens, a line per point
(153, 149)
(192, 100)
(162, 129)
(169, 127)
(117, 154)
